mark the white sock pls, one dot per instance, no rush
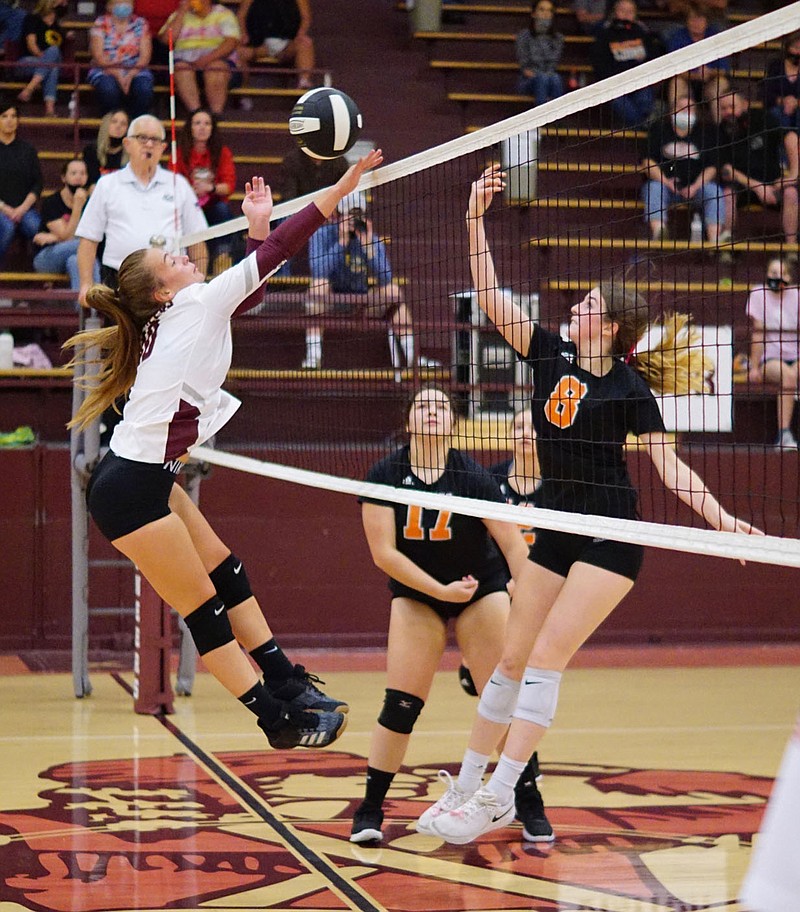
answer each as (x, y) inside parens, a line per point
(313, 345)
(470, 776)
(505, 776)
(407, 344)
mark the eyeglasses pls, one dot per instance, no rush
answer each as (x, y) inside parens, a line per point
(143, 139)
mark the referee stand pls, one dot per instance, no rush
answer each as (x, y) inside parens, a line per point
(152, 690)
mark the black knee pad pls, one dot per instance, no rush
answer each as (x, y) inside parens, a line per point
(209, 625)
(400, 711)
(231, 582)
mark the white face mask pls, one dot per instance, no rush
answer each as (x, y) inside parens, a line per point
(684, 120)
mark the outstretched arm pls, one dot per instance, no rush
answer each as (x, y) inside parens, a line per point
(689, 487)
(509, 318)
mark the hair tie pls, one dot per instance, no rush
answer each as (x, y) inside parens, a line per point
(631, 354)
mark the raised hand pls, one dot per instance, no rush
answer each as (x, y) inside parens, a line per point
(354, 173)
(483, 190)
(257, 203)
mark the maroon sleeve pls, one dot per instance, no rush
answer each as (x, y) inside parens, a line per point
(282, 243)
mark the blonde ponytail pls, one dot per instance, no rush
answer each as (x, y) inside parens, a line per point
(676, 365)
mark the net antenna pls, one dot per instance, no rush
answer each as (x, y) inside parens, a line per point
(578, 221)
(173, 153)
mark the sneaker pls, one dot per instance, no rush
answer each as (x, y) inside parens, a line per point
(367, 822)
(481, 814)
(466, 682)
(529, 809)
(452, 799)
(424, 361)
(786, 440)
(304, 729)
(301, 693)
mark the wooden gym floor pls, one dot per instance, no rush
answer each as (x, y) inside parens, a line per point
(655, 776)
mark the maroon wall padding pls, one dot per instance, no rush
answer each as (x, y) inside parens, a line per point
(309, 565)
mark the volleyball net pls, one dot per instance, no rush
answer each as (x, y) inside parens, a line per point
(325, 365)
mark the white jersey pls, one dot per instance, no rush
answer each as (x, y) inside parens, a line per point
(773, 879)
(176, 401)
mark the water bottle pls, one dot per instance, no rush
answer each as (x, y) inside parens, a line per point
(6, 351)
(696, 231)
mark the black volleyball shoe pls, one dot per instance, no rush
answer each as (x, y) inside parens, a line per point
(300, 691)
(304, 729)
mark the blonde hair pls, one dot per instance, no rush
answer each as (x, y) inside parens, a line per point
(118, 347)
(103, 140)
(43, 7)
(676, 363)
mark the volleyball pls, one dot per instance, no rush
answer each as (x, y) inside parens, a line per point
(325, 122)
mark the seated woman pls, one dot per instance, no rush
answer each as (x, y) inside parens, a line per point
(774, 312)
(698, 26)
(539, 48)
(42, 37)
(107, 153)
(206, 37)
(207, 163)
(278, 30)
(57, 246)
(121, 49)
(782, 84)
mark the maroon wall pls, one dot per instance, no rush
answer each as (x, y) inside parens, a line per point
(309, 564)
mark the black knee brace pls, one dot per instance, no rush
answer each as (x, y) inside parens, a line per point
(231, 582)
(209, 625)
(400, 711)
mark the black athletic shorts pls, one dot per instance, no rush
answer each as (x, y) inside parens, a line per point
(124, 495)
(558, 551)
(447, 610)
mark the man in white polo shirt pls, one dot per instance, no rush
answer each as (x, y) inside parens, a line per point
(131, 207)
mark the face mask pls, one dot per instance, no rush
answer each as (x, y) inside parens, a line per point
(122, 10)
(775, 284)
(74, 187)
(794, 59)
(684, 120)
(622, 23)
(542, 25)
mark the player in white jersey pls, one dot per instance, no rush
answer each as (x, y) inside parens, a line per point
(169, 347)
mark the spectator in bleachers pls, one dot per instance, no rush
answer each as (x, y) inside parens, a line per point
(107, 153)
(207, 163)
(539, 48)
(774, 311)
(20, 181)
(695, 28)
(279, 29)
(206, 37)
(782, 84)
(621, 44)
(121, 49)
(757, 161)
(43, 38)
(590, 14)
(11, 21)
(57, 246)
(156, 13)
(348, 258)
(679, 169)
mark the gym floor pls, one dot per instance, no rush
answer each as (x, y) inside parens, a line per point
(656, 772)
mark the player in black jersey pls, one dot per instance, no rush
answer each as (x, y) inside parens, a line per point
(588, 397)
(441, 565)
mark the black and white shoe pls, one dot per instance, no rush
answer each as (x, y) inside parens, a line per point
(466, 682)
(301, 693)
(530, 812)
(367, 822)
(304, 729)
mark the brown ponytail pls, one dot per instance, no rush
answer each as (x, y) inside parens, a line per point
(676, 365)
(118, 347)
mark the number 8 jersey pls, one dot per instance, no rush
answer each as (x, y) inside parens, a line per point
(446, 545)
(582, 422)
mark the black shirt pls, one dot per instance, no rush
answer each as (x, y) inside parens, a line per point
(20, 172)
(46, 35)
(447, 546)
(272, 19)
(582, 422)
(93, 166)
(752, 144)
(683, 158)
(512, 496)
(620, 46)
(53, 209)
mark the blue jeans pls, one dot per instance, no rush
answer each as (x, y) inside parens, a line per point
(657, 200)
(787, 121)
(31, 66)
(634, 109)
(216, 213)
(138, 101)
(63, 257)
(543, 86)
(27, 227)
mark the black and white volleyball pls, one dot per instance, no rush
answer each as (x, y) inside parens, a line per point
(325, 122)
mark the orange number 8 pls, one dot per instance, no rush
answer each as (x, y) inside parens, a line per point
(564, 402)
